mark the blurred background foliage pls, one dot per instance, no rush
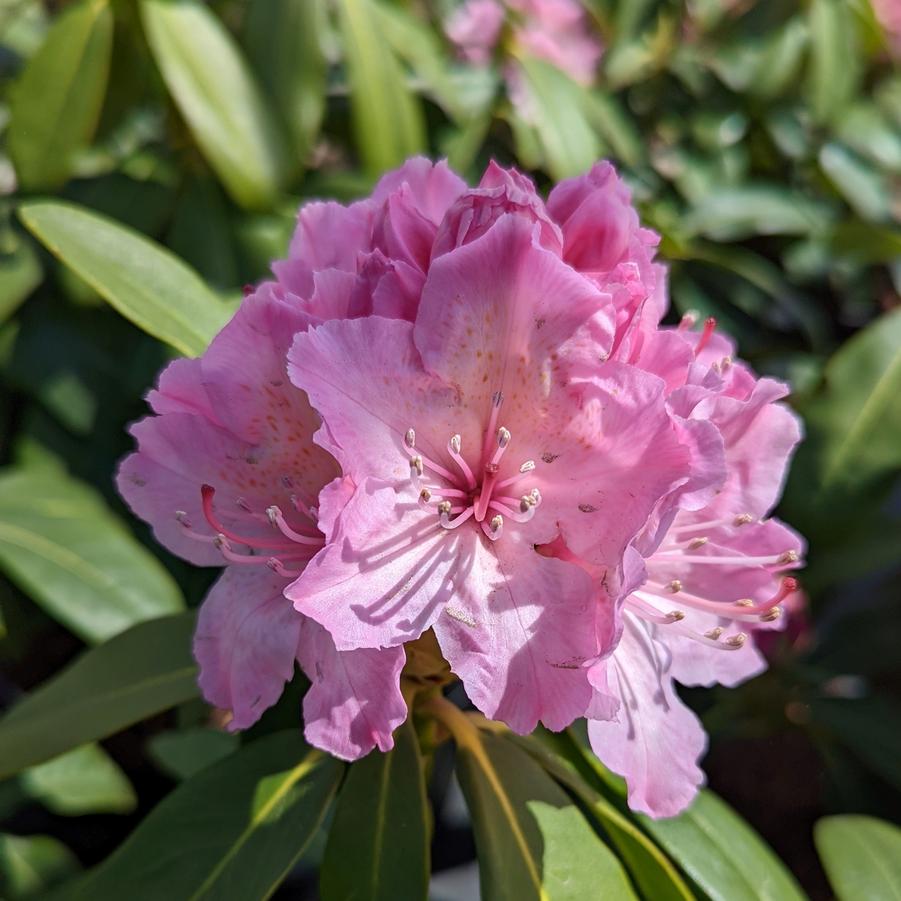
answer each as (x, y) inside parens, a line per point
(762, 140)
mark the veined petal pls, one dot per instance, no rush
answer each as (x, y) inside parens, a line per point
(354, 703)
(245, 643)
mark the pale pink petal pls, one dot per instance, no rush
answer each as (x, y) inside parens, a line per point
(354, 703)
(433, 187)
(656, 741)
(181, 390)
(245, 643)
(521, 634)
(386, 572)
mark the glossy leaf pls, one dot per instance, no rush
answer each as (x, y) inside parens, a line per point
(219, 98)
(532, 841)
(61, 543)
(284, 43)
(31, 864)
(569, 143)
(144, 282)
(387, 116)
(184, 753)
(57, 101)
(86, 780)
(139, 673)
(233, 831)
(722, 854)
(861, 856)
(648, 866)
(854, 421)
(381, 824)
(20, 274)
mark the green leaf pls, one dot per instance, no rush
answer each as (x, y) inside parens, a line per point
(139, 673)
(834, 63)
(861, 856)
(866, 243)
(216, 93)
(86, 780)
(284, 43)
(730, 214)
(56, 102)
(233, 831)
(387, 116)
(182, 754)
(722, 854)
(532, 841)
(32, 864)
(855, 420)
(648, 866)
(62, 544)
(20, 274)
(144, 282)
(569, 143)
(863, 186)
(381, 824)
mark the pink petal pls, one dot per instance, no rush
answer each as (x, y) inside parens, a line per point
(656, 741)
(433, 187)
(386, 573)
(354, 703)
(245, 643)
(520, 635)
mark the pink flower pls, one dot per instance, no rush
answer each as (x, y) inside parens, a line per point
(228, 475)
(478, 432)
(475, 28)
(712, 571)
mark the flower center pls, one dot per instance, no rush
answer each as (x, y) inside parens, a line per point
(460, 493)
(303, 539)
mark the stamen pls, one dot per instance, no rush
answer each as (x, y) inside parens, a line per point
(312, 513)
(496, 400)
(425, 496)
(454, 447)
(688, 321)
(675, 586)
(276, 518)
(276, 566)
(782, 559)
(715, 633)
(695, 543)
(709, 326)
(410, 438)
(494, 528)
(207, 492)
(524, 469)
(457, 521)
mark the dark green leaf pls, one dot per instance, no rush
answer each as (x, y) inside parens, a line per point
(139, 673)
(20, 274)
(387, 115)
(32, 864)
(56, 103)
(182, 754)
(233, 831)
(863, 186)
(381, 824)
(76, 558)
(834, 64)
(216, 92)
(284, 43)
(861, 856)
(144, 282)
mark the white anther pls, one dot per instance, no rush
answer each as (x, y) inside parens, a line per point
(272, 513)
(744, 602)
(695, 543)
(497, 523)
(676, 615)
(743, 519)
(536, 496)
(714, 634)
(456, 443)
(444, 508)
(410, 438)
(182, 519)
(425, 496)
(528, 466)
(788, 557)
(526, 503)
(416, 468)
(675, 586)
(737, 640)
(771, 615)
(503, 437)
(220, 541)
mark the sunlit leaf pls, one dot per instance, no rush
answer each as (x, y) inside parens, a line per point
(31, 864)
(381, 824)
(834, 63)
(861, 856)
(78, 561)
(144, 282)
(56, 103)
(216, 93)
(143, 671)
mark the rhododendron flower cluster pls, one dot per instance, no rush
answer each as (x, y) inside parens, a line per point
(454, 413)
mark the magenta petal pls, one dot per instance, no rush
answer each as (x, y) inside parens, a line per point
(520, 634)
(245, 643)
(656, 741)
(354, 703)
